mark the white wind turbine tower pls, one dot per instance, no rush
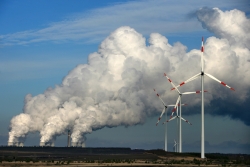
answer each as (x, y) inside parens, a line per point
(202, 95)
(178, 118)
(179, 115)
(175, 146)
(163, 111)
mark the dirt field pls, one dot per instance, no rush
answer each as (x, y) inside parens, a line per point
(137, 164)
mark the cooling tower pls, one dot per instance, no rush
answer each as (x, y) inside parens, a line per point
(74, 144)
(42, 144)
(52, 144)
(79, 144)
(10, 143)
(47, 144)
(20, 144)
(17, 144)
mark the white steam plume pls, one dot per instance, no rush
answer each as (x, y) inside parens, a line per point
(115, 88)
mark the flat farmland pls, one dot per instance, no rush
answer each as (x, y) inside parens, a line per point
(76, 157)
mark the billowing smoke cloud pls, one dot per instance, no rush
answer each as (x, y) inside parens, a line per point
(232, 25)
(115, 88)
(230, 55)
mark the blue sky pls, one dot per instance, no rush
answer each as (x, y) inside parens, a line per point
(41, 41)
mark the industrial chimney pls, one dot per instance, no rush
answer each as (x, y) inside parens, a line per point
(68, 138)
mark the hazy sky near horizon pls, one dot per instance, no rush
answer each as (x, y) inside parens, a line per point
(42, 41)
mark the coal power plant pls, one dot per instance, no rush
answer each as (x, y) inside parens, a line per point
(50, 144)
(115, 87)
(17, 144)
(47, 144)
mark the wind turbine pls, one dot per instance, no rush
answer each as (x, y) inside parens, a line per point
(175, 145)
(202, 95)
(179, 115)
(163, 111)
(178, 119)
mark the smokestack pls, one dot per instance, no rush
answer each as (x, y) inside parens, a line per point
(68, 138)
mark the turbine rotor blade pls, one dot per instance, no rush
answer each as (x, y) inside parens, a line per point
(172, 83)
(187, 93)
(170, 119)
(172, 105)
(163, 111)
(176, 104)
(222, 83)
(186, 121)
(197, 92)
(190, 79)
(160, 98)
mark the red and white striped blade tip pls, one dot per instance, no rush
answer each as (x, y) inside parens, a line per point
(156, 93)
(168, 78)
(165, 75)
(165, 122)
(224, 84)
(199, 91)
(181, 84)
